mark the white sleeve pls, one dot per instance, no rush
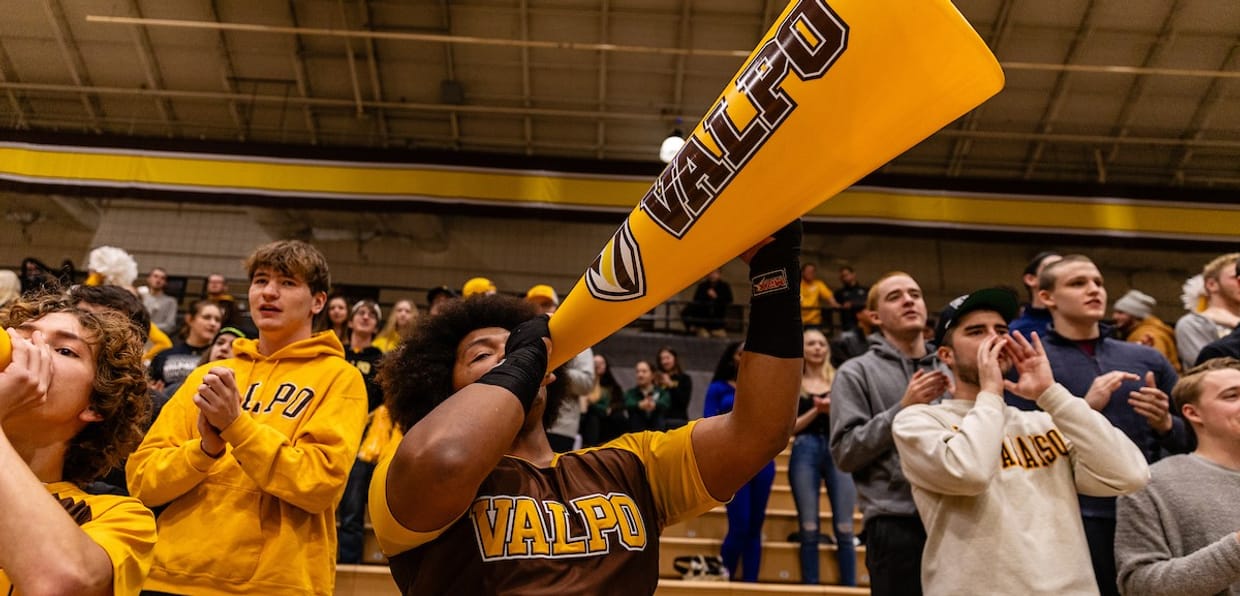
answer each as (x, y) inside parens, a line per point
(940, 457)
(1105, 462)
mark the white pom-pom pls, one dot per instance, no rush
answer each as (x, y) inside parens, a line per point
(114, 264)
(1193, 291)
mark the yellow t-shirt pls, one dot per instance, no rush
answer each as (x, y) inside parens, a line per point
(387, 342)
(121, 525)
(813, 294)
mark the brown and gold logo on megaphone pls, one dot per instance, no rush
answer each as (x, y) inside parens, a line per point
(617, 274)
(834, 90)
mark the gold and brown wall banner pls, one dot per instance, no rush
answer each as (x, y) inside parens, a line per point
(256, 177)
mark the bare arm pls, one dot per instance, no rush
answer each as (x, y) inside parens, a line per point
(733, 447)
(453, 449)
(804, 420)
(42, 550)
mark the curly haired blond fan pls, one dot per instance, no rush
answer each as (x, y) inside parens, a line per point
(119, 393)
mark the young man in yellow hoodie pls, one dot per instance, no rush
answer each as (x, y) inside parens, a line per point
(251, 455)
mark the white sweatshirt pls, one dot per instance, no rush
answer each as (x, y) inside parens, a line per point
(997, 490)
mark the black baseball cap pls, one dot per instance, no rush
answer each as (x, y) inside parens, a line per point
(1000, 300)
(436, 292)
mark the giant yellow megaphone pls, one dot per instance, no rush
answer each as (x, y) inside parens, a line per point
(6, 349)
(834, 90)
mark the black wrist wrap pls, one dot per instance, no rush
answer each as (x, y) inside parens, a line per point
(525, 362)
(519, 374)
(775, 304)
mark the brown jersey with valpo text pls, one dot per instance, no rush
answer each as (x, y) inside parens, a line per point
(588, 524)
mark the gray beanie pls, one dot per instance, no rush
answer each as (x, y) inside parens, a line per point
(1136, 303)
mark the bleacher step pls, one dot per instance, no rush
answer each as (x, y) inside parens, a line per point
(778, 525)
(672, 587)
(373, 580)
(781, 561)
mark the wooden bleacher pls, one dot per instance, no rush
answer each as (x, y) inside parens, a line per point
(374, 580)
(780, 573)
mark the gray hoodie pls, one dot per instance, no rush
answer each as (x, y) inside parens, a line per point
(865, 399)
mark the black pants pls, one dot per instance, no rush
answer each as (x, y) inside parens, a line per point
(1100, 534)
(893, 546)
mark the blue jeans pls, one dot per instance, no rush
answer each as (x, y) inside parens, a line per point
(746, 512)
(808, 468)
(352, 513)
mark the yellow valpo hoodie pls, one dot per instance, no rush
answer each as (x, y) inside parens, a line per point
(261, 518)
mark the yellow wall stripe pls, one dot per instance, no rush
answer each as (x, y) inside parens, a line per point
(185, 172)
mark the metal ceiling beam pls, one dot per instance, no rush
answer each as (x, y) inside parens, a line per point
(1122, 70)
(347, 104)
(527, 125)
(1209, 104)
(150, 69)
(1059, 92)
(228, 74)
(449, 57)
(348, 51)
(303, 82)
(424, 37)
(329, 102)
(770, 10)
(72, 57)
(8, 74)
(1139, 83)
(683, 40)
(998, 34)
(372, 62)
(604, 47)
(1081, 139)
(600, 126)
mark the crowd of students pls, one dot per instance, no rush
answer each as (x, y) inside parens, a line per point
(969, 452)
(484, 472)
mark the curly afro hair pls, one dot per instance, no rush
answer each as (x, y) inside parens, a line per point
(417, 376)
(119, 394)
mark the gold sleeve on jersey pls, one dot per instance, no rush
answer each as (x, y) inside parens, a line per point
(672, 470)
(392, 536)
(121, 526)
(126, 531)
